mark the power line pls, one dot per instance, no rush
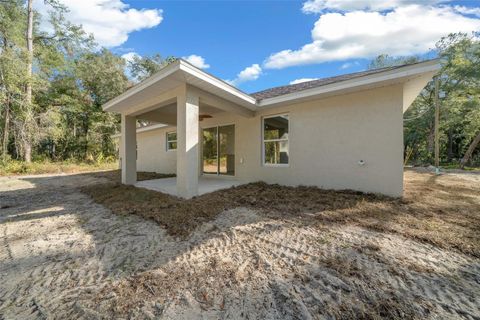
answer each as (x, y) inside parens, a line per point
(420, 115)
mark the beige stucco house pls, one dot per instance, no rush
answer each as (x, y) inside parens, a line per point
(343, 132)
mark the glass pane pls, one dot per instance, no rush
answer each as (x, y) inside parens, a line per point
(171, 136)
(210, 159)
(276, 152)
(226, 135)
(275, 128)
(172, 145)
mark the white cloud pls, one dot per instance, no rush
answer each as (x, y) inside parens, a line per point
(347, 65)
(466, 10)
(248, 74)
(408, 30)
(197, 61)
(319, 6)
(302, 80)
(129, 56)
(110, 21)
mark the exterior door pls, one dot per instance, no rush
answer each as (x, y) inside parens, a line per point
(219, 150)
(210, 150)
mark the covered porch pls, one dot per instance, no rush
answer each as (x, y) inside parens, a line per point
(179, 95)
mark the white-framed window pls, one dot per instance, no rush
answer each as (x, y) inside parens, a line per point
(275, 140)
(171, 140)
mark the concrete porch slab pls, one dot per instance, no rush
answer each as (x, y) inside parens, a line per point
(206, 184)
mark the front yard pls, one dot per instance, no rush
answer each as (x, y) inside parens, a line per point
(84, 246)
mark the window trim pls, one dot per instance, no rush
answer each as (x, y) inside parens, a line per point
(167, 141)
(275, 165)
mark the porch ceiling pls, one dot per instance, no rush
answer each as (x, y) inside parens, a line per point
(168, 114)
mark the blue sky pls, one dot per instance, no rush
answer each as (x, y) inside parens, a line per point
(231, 36)
(274, 42)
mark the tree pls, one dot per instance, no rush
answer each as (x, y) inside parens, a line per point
(143, 67)
(12, 66)
(469, 152)
(419, 126)
(460, 54)
(460, 109)
(102, 78)
(28, 120)
(384, 60)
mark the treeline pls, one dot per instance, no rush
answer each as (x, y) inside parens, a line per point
(459, 87)
(53, 84)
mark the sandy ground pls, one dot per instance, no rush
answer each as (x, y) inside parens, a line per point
(63, 256)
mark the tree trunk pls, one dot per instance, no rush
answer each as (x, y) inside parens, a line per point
(28, 89)
(86, 127)
(28, 151)
(6, 129)
(450, 146)
(6, 116)
(431, 142)
(471, 148)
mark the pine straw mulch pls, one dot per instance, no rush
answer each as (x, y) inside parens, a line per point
(441, 210)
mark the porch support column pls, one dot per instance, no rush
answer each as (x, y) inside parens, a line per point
(128, 156)
(187, 144)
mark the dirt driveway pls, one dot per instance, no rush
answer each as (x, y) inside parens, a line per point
(64, 256)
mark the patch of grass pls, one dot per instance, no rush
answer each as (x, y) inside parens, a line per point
(14, 167)
(457, 166)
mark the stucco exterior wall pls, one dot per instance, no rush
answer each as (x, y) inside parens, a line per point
(327, 139)
(152, 154)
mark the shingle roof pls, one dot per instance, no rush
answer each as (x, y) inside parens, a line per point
(279, 91)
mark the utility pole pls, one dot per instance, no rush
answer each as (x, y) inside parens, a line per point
(437, 121)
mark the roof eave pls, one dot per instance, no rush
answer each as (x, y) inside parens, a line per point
(207, 77)
(408, 71)
(187, 68)
(163, 73)
(431, 66)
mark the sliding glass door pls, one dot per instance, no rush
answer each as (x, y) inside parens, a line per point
(226, 150)
(219, 150)
(210, 150)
